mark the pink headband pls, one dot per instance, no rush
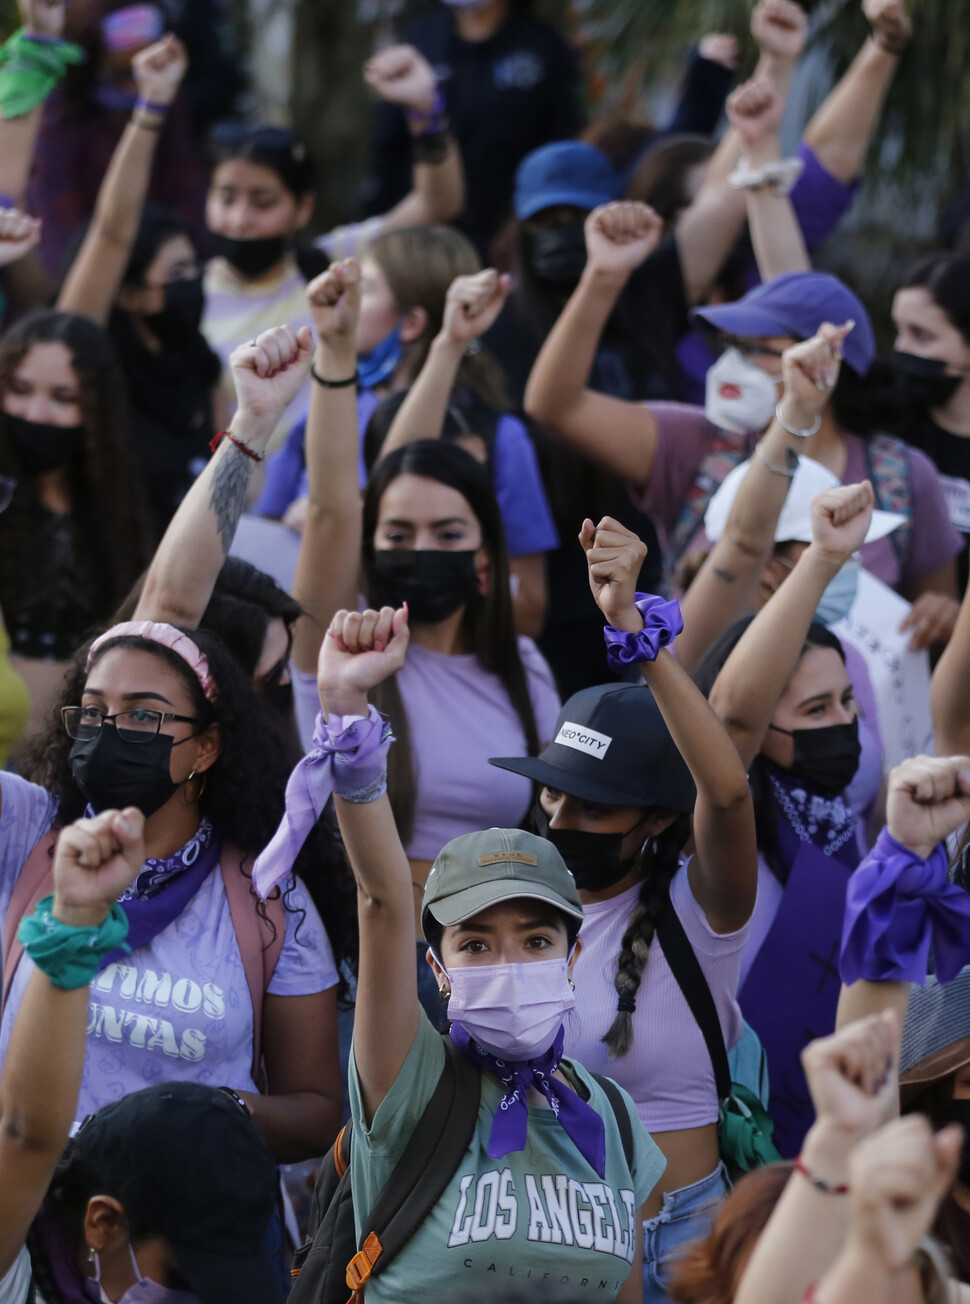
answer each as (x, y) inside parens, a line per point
(131, 26)
(168, 636)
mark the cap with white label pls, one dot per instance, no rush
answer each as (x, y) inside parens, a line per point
(611, 746)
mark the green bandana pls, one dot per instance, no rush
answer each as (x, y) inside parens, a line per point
(70, 957)
(30, 69)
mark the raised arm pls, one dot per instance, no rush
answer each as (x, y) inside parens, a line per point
(724, 587)
(619, 435)
(755, 112)
(359, 651)
(43, 23)
(94, 862)
(471, 307)
(401, 75)
(852, 1077)
(326, 572)
(708, 229)
(841, 130)
(268, 374)
(724, 870)
(950, 689)
(756, 674)
(91, 285)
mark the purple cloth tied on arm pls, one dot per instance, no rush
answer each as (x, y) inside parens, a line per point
(349, 760)
(899, 907)
(662, 622)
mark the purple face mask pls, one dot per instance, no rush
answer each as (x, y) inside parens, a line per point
(144, 1291)
(513, 1010)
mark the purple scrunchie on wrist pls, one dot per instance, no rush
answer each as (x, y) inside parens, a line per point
(898, 907)
(662, 622)
(350, 761)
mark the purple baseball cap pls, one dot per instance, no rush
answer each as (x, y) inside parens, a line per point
(565, 172)
(797, 304)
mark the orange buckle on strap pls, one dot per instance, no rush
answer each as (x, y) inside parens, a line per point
(361, 1265)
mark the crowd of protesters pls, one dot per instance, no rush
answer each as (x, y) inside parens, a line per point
(483, 691)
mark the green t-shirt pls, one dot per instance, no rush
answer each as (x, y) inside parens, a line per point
(541, 1214)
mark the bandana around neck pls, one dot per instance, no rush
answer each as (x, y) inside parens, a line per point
(582, 1123)
(820, 818)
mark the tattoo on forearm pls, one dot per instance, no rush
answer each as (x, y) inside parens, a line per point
(727, 576)
(230, 480)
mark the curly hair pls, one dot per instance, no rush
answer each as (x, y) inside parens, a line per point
(107, 503)
(244, 793)
(659, 860)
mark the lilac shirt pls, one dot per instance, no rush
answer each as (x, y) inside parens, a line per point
(668, 1070)
(177, 1009)
(684, 435)
(459, 715)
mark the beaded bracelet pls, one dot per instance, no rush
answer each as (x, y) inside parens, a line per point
(70, 956)
(243, 448)
(820, 1183)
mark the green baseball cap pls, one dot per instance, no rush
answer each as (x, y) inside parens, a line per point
(479, 870)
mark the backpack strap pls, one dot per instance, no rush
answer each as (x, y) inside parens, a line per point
(618, 1105)
(259, 937)
(34, 882)
(421, 1176)
(686, 968)
(887, 466)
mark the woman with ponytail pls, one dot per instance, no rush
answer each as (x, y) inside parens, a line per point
(633, 774)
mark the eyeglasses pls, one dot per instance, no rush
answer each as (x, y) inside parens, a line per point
(137, 725)
(747, 348)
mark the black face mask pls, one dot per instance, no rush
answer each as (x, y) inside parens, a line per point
(182, 313)
(557, 255)
(960, 1113)
(40, 447)
(113, 772)
(251, 257)
(593, 859)
(922, 382)
(826, 758)
(434, 583)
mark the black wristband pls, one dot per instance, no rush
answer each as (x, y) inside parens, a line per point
(333, 384)
(234, 1095)
(432, 147)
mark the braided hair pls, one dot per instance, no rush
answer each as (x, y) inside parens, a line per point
(659, 861)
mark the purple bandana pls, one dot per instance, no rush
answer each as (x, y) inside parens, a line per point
(898, 908)
(662, 622)
(509, 1127)
(164, 888)
(349, 760)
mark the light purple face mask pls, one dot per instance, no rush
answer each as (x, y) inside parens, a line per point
(144, 1291)
(513, 1010)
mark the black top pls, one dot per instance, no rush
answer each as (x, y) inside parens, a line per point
(505, 97)
(950, 454)
(53, 622)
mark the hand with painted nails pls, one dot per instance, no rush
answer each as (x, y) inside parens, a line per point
(810, 371)
(269, 372)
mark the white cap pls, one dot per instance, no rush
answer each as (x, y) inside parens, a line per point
(795, 521)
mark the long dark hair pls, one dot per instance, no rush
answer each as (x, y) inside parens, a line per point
(659, 861)
(244, 791)
(107, 504)
(489, 625)
(946, 278)
(705, 676)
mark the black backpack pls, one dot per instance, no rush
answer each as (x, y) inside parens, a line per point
(330, 1260)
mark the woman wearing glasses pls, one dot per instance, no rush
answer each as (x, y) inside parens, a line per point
(216, 988)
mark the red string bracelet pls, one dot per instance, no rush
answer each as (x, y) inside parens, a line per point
(820, 1183)
(227, 434)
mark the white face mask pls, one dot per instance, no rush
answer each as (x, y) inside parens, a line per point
(514, 1010)
(740, 396)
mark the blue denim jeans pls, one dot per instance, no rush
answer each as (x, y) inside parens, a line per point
(684, 1216)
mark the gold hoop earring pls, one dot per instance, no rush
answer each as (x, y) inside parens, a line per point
(193, 774)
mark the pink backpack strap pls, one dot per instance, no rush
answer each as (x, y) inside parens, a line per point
(260, 941)
(35, 881)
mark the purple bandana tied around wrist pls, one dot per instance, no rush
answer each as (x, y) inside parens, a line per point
(509, 1127)
(898, 908)
(349, 760)
(662, 622)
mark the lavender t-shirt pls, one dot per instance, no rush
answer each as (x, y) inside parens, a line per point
(177, 1009)
(684, 437)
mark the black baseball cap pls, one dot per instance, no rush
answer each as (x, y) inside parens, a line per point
(187, 1164)
(611, 746)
